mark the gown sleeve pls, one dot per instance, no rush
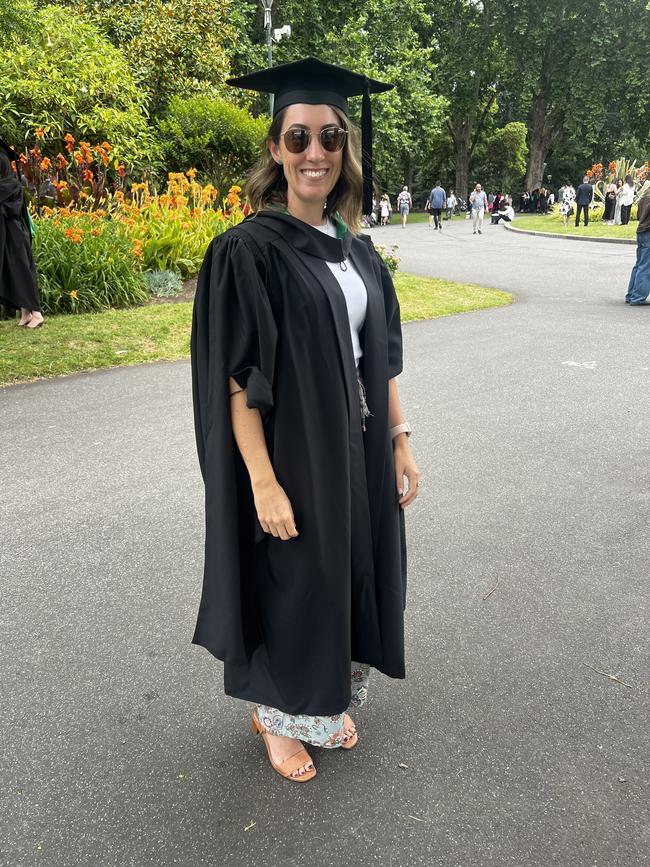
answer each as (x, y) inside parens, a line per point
(391, 307)
(234, 334)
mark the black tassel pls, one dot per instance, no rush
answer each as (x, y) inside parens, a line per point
(366, 149)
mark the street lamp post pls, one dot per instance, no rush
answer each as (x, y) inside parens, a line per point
(267, 6)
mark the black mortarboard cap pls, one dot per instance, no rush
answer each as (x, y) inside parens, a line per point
(316, 83)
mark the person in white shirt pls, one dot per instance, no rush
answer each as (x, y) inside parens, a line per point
(506, 213)
(479, 206)
(404, 205)
(627, 199)
(452, 201)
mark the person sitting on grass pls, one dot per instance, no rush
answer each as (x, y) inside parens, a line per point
(506, 213)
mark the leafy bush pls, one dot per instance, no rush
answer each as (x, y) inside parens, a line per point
(62, 75)
(163, 284)
(85, 262)
(220, 140)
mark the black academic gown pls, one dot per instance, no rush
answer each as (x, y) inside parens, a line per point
(288, 617)
(18, 283)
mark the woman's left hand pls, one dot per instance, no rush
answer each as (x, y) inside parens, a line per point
(405, 467)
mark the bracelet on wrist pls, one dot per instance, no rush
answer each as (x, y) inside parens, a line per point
(404, 427)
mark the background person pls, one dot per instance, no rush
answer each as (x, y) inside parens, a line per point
(404, 205)
(568, 198)
(452, 201)
(304, 551)
(437, 201)
(610, 202)
(384, 210)
(639, 285)
(18, 281)
(627, 199)
(505, 213)
(479, 203)
(584, 198)
(620, 193)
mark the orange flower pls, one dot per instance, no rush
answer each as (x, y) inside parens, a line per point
(36, 152)
(39, 133)
(69, 142)
(137, 249)
(61, 185)
(121, 170)
(119, 196)
(46, 164)
(88, 175)
(74, 235)
(96, 232)
(61, 161)
(191, 174)
(22, 158)
(74, 294)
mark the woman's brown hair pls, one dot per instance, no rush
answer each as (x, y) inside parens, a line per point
(266, 184)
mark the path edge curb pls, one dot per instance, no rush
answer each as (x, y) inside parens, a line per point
(569, 237)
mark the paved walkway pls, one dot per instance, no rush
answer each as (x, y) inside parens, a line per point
(532, 421)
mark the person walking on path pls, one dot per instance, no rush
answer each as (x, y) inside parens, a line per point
(404, 205)
(584, 198)
(437, 201)
(18, 281)
(627, 199)
(639, 286)
(305, 454)
(452, 201)
(479, 203)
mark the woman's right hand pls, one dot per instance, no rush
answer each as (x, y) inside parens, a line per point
(274, 510)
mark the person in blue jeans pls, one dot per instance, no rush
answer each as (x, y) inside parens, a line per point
(437, 201)
(639, 286)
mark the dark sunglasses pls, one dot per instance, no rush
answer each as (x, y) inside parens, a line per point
(297, 140)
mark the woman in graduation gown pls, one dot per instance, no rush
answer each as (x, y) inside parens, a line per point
(302, 443)
(18, 282)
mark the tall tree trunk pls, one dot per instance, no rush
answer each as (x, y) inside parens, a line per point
(545, 123)
(545, 128)
(407, 165)
(461, 158)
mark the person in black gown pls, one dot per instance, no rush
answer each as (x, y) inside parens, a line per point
(302, 443)
(18, 281)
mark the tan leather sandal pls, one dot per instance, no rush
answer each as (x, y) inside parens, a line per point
(351, 741)
(300, 758)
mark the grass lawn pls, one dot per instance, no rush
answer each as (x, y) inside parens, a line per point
(419, 217)
(593, 230)
(161, 332)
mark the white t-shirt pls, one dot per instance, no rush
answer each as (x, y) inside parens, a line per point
(628, 194)
(354, 291)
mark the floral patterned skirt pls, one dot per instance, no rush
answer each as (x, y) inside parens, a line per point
(319, 731)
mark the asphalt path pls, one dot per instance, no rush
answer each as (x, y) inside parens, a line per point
(507, 744)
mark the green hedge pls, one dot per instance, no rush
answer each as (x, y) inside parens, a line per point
(218, 139)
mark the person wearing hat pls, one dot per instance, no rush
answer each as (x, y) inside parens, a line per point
(302, 442)
(18, 282)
